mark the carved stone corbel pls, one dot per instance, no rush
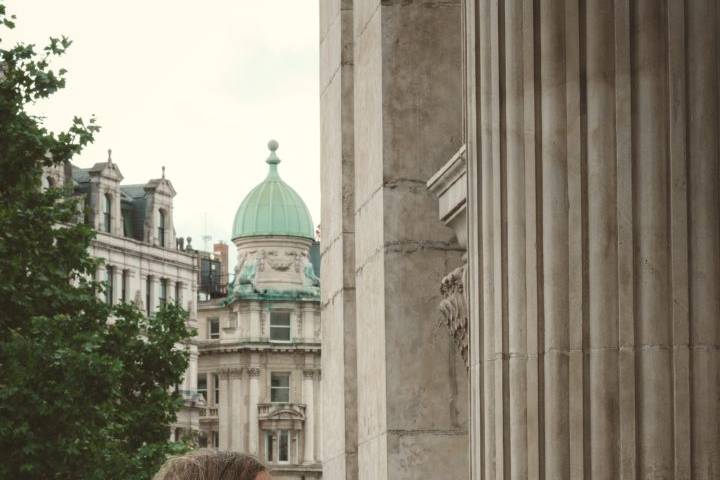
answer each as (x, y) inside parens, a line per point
(454, 308)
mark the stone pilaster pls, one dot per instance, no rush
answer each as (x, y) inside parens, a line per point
(308, 322)
(117, 284)
(237, 414)
(308, 393)
(594, 274)
(255, 320)
(224, 410)
(254, 392)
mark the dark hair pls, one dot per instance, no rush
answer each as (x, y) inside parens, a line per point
(211, 465)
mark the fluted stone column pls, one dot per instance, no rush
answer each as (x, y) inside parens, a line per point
(594, 238)
(224, 410)
(237, 412)
(308, 390)
(254, 392)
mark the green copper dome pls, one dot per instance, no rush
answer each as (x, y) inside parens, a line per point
(273, 207)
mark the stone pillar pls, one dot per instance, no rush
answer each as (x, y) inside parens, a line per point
(117, 284)
(155, 297)
(255, 313)
(308, 322)
(412, 406)
(338, 322)
(192, 371)
(171, 291)
(309, 400)
(237, 417)
(594, 233)
(224, 409)
(254, 374)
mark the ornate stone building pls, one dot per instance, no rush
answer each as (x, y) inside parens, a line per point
(259, 365)
(141, 262)
(570, 152)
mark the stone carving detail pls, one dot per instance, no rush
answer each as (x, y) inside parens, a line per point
(261, 261)
(254, 371)
(278, 262)
(454, 308)
(308, 373)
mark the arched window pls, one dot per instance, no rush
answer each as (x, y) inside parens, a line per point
(161, 228)
(107, 212)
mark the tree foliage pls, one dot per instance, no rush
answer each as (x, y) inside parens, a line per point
(81, 397)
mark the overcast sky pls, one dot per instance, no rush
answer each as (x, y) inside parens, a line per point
(199, 87)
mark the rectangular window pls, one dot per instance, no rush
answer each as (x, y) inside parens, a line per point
(110, 279)
(213, 328)
(283, 446)
(107, 212)
(269, 454)
(178, 293)
(280, 388)
(202, 385)
(124, 287)
(161, 228)
(216, 385)
(163, 291)
(215, 439)
(148, 294)
(280, 326)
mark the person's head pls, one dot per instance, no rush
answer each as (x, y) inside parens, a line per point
(213, 465)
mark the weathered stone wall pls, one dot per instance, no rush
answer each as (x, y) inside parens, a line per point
(411, 382)
(339, 392)
(594, 239)
(394, 387)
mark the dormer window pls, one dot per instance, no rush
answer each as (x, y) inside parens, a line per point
(107, 212)
(161, 228)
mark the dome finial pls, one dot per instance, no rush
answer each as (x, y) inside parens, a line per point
(273, 159)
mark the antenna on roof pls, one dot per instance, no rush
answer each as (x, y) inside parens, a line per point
(207, 237)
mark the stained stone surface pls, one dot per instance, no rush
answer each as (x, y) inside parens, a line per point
(404, 401)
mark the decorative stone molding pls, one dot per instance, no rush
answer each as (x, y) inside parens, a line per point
(283, 416)
(454, 308)
(449, 184)
(230, 372)
(309, 373)
(254, 371)
(280, 261)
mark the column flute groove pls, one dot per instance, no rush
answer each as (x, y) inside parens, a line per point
(555, 236)
(703, 120)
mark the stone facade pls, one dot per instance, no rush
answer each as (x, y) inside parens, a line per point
(259, 365)
(141, 268)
